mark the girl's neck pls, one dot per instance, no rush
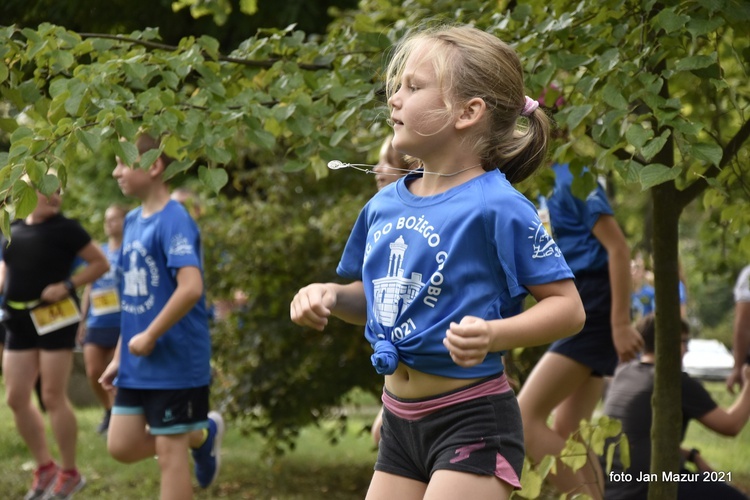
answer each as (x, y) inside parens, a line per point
(648, 358)
(441, 177)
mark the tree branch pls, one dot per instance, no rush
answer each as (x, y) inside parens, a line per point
(245, 62)
(694, 190)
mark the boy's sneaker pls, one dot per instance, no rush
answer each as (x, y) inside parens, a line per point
(207, 458)
(44, 478)
(104, 425)
(67, 484)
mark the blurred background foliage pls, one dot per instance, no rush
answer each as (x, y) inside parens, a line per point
(281, 219)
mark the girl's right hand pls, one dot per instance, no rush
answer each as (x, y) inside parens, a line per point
(312, 306)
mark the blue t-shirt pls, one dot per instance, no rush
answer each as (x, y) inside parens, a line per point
(573, 219)
(105, 287)
(153, 250)
(642, 302)
(427, 261)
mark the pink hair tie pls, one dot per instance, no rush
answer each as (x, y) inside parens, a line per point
(529, 107)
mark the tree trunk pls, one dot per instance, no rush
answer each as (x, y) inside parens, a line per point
(667, 399)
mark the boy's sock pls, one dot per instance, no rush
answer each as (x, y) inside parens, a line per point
(203, 439)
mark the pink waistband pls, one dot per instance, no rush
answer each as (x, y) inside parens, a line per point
(416, 409)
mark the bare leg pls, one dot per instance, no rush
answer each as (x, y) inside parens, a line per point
(96, 359)
(55, 369)
(127, 439)
(449, 484)
(553, 380)
(580, 406)
(20, 372)
(176, 483)
(384, 486)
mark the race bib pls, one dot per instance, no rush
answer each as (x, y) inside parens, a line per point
(104, 301)
(52, 317)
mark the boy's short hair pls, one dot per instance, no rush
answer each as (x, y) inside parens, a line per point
(146, 142)
(646, 326)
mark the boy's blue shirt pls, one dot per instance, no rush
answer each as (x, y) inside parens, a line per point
(153, 250)
(428, 261)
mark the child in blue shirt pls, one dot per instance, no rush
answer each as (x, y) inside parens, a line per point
(569, 378)
(161, 366)
(440, 262)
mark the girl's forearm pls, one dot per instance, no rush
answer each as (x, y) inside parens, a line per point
(550, 319)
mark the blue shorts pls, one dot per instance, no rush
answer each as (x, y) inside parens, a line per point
(593, 346)
(482, 435)
(103, 336)
(167, 411)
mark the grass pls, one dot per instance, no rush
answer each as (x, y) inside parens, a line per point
(314, 470)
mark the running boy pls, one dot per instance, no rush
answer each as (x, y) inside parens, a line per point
(162, 363)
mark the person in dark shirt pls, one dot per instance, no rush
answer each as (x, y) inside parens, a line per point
(41, 310)
(629, 400)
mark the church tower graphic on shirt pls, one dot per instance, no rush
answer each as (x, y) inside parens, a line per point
(134, 280)
(394, 292)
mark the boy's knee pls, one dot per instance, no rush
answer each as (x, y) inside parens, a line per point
(120, 452)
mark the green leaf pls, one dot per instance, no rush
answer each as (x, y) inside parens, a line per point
(149, 157)
(637, 135)
(574, 455)
(655, 174)
(91, 141)
(625, 451)
(213, 178)
(48, 184)
(249, 7)
(177, 167)
(24, 199)
(338, 135)
(614, 97)
(654, 146)
(576, 114)
(695, 62)
(711, 153)
(669, 20)
(126, 151)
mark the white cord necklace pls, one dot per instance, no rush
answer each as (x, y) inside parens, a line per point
(368, 169)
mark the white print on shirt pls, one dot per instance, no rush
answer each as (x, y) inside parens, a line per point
(418, 224)
(180, 245)
(393, 293)
(543, 245)
(136, 280)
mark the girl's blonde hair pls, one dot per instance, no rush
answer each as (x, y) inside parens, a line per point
(471, 63)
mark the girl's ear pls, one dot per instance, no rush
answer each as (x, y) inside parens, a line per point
(472, 112)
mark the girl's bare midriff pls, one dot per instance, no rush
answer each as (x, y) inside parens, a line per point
(407, 383)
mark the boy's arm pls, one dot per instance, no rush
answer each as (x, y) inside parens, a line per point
(188, 292)
(107, 377)
(730, 422)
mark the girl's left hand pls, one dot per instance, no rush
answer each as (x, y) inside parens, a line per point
(469, 341)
